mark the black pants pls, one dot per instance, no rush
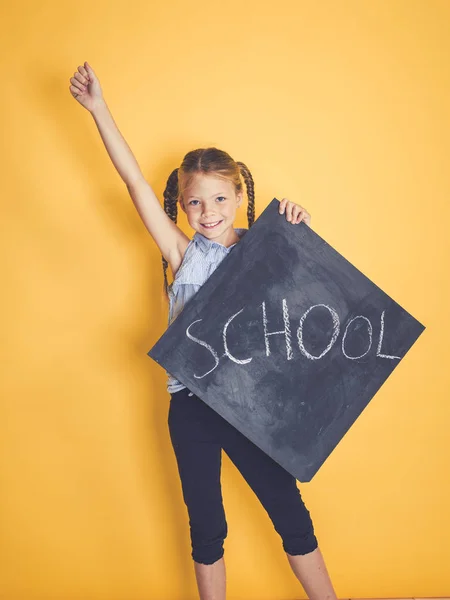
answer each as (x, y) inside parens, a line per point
(198, 435)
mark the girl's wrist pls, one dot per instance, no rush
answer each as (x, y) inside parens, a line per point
(99, 107)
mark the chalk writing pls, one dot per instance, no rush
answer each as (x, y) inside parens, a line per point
(300, 337)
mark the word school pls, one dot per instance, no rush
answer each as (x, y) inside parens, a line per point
(288, 337)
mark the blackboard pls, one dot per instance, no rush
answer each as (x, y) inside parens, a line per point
(287, 341)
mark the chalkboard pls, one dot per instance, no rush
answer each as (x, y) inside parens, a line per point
(287, 341)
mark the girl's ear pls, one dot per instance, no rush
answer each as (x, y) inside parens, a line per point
(182, 205)
(239, 198)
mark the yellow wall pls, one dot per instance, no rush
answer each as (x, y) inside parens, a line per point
(341, 106)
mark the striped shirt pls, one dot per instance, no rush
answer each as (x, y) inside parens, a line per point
(201, 258)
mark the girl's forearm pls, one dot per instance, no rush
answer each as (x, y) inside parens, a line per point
(116, 146)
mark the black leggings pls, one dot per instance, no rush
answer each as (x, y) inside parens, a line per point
(198, 435)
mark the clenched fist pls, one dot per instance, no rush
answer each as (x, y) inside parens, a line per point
(85, 87)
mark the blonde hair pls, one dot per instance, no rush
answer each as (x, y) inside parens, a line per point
(207, 161)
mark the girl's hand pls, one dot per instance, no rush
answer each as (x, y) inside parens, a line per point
(294, 212)
(85, 87)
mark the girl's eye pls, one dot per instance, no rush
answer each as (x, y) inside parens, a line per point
(216, 199)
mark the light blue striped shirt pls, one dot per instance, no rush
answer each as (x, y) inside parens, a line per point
(201, 258)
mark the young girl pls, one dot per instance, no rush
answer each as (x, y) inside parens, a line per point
(208, 187)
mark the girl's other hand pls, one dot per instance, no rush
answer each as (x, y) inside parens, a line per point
(294, 212)
(85, 87)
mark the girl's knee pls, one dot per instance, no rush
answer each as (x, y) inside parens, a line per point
(207, 544)
(208, 557)
(300, 544)
(295, 527)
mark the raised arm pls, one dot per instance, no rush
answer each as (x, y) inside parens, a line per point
(172, 242)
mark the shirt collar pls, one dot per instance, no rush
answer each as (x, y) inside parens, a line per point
(206, 244)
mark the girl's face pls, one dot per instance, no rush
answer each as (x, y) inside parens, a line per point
(210, 200)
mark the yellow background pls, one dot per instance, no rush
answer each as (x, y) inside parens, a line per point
(341, 106)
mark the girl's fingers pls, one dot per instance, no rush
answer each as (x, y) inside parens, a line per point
(289, 211)
(84, 72)
(306, 217)
(294, 212)
(283, 205)
(90, 71)
(77, 84)
(301, 216)
(80, 78)
(74, 90)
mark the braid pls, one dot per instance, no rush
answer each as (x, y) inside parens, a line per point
(171, 209)
(249, 183)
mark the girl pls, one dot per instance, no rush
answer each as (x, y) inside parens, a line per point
(208, 188)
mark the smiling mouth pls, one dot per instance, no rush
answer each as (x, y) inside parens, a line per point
(211, 225)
